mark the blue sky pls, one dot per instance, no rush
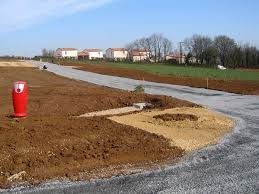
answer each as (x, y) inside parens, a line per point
(27, 26)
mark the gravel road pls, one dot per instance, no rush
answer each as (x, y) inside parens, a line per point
(232, 166)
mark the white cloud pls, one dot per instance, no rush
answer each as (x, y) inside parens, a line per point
(16, 14)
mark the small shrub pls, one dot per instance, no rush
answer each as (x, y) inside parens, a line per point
(139, 89)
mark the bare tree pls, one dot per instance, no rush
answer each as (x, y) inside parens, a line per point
(225, 47)
(145, 43)
(157, 45)
(47, 53)
(44, 52)
(167, 47)
(130, 46)
(156, 41)
(210, 56)
(199, 46)
(51, 53)
(159, 41)
(188, 45)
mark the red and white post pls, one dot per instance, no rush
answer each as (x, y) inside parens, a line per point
(20, 97)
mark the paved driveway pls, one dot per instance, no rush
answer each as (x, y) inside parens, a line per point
(232, 166)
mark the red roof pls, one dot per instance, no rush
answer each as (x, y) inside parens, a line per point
(67, 49)
(82, 54)
(92, 50)
(139, 52)
(118, 49)
(135, 53)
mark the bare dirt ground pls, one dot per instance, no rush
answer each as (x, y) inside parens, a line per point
(15, 64)
(51, 143)
(236, 86)
(187, 128)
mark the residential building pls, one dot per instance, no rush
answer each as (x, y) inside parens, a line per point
(92, 54)
(117, 53)
(83, 55)
(139, 55)
(66, 53)
(193, 60)
(177, 57)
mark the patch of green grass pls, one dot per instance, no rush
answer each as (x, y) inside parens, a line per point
(228, 74)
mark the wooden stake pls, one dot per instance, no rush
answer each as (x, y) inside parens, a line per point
(207, 83)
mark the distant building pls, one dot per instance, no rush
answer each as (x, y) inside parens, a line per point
(91, 54)
(177, 57)
(193, 60)
(83, 55)
(139, 55)
(117, 53)
(66, 53)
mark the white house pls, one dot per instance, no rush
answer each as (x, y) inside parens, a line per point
(66, 53)
(117, 53)
(139, 55)
(181, 60)
(93, 53)
(177, 57)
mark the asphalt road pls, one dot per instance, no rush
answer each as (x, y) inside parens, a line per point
(232, 166)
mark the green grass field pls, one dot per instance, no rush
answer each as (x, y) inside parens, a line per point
(229, 74)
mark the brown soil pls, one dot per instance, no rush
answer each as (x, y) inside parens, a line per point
(234, 86)
(15, 64)
(51, 143)
(176, 117)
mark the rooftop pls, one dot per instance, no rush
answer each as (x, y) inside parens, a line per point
(118, 49)
(67, 49)
(92, 50)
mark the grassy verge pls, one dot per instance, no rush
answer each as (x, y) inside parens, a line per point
(229, 74)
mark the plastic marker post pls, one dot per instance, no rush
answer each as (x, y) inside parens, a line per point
(20, 96)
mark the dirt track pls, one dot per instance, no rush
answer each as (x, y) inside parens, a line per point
(237, 86)
(50, 143)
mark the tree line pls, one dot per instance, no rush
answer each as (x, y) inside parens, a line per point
(47, 52)
(220, 50)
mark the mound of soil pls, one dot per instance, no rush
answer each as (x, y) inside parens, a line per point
(176, 117)
(51, 143)
(208, 129)
(234, 86)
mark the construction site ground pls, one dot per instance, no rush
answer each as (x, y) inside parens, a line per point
(52, 143)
